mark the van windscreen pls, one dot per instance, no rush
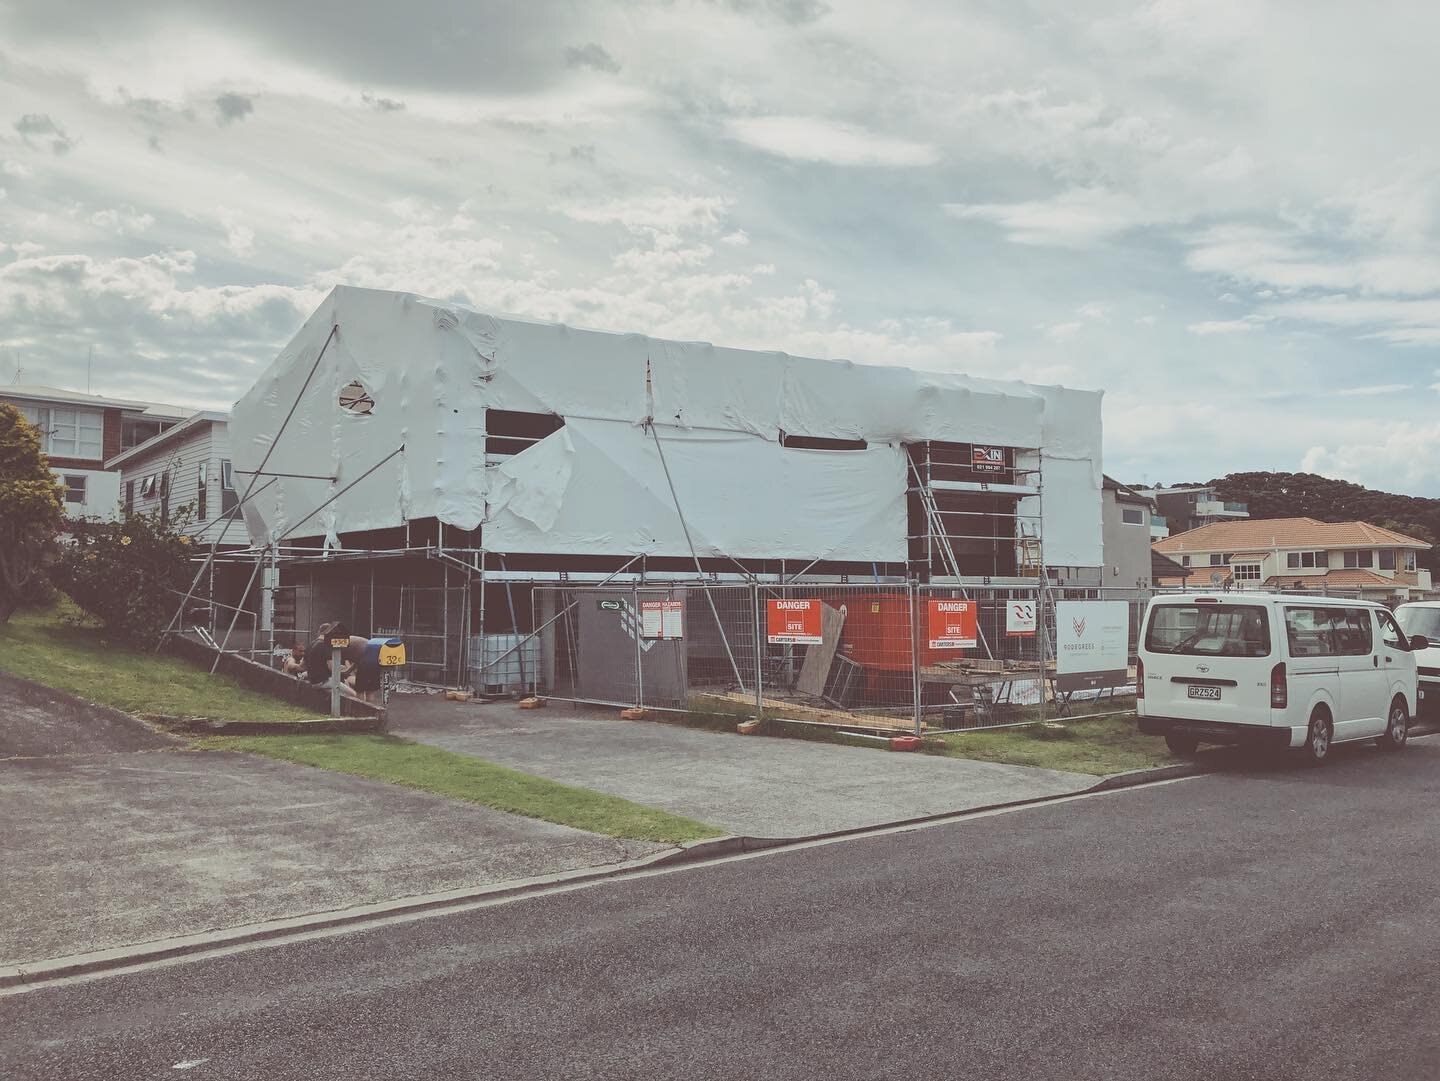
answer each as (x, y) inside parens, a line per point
(1209, 630)
(1424, 621)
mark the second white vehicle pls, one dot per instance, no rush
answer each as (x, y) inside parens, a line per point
(1423, 617)
(1274, 670)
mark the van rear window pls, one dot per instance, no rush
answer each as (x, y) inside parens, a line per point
(1209, 630)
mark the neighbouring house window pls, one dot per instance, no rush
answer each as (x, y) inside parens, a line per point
(68, 433)
(1409, 561)
(74, 488)
(147, 487)
(1294, 560)
(202, 493)
(137, 430)
(1216, 559)
(1132, 516)
(229, 498)
(1387, 559)
(1184, 561)
(129, 497)
(1247, 572)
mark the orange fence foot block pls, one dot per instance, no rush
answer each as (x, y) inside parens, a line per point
(532, 703)
(905, 743)
(633, 714)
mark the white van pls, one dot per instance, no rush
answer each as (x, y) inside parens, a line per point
(1274, 670)
(1423, 618)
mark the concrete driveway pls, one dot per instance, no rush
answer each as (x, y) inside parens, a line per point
(117, 835)
(746, 785)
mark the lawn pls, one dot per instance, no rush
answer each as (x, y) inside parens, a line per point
(60, 649)
(1101, 746)
(459, 776)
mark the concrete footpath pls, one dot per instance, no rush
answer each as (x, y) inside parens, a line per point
(137, 839)
(749, 786)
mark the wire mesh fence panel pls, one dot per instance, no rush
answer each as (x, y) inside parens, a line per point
(639, 645)
(838, 655)
(430, 620)
(983, 661)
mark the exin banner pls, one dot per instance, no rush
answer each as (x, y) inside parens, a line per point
(953, 625)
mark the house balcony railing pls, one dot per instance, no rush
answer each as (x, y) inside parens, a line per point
(1221, 509)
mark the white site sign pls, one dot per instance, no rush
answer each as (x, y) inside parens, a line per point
(1020, 619)
(1092, 644)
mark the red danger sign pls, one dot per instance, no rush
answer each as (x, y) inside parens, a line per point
(793, 623)
(952, 625)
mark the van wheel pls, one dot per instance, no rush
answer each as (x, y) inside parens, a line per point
(1397, 729)
(1317, 740)
(1181, 744)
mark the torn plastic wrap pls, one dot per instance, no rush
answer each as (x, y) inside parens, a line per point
(433, 369)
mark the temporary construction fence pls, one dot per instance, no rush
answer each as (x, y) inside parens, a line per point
(883, 657)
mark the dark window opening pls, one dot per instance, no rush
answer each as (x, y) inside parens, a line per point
(74, 489)
(229, 498)
(810, 442)
(509, 431)
(129, 497)
(165, 496)
(202, 493)
(975, 463)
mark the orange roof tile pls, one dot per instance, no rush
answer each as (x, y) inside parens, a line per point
(1251, 533)
(1345, 578)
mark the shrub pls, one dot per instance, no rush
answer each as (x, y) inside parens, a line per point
(31, 511)
(125, 573)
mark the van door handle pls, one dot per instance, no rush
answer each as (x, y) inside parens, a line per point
(1376, 660)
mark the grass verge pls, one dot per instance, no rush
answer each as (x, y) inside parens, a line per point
(61, 649)
(463, 777)
(1101, 746)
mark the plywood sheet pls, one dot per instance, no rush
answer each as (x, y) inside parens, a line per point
(816, 665)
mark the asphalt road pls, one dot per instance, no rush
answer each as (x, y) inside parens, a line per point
(1271, 923)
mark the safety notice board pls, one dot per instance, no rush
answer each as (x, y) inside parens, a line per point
(662, 619)
(953, 625)
(793, 623)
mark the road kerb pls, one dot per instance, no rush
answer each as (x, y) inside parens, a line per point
(45, 971)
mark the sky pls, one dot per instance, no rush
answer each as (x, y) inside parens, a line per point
(1224, 213)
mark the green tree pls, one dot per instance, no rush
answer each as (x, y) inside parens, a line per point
(128, 574)
(32, 509)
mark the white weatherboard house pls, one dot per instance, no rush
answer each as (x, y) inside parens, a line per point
(554, 450)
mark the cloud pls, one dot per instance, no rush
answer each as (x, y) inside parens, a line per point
(1222, 326)
(793, 12)
(382, 105)
(1370, 392)
(230, 107)
(1077, 217)
(591, 55)
(812, 139)
(39, 126)
(122, 221)
(1401, 456)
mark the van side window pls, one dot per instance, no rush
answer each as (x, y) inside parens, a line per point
(1390, 631)
(1310, 632)
(1354, 636)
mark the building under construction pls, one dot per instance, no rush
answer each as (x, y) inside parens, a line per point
(417, 467)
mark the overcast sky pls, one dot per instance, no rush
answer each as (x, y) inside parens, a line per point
(1222, 213)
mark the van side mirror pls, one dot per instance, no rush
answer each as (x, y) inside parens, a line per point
(1418, 642)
